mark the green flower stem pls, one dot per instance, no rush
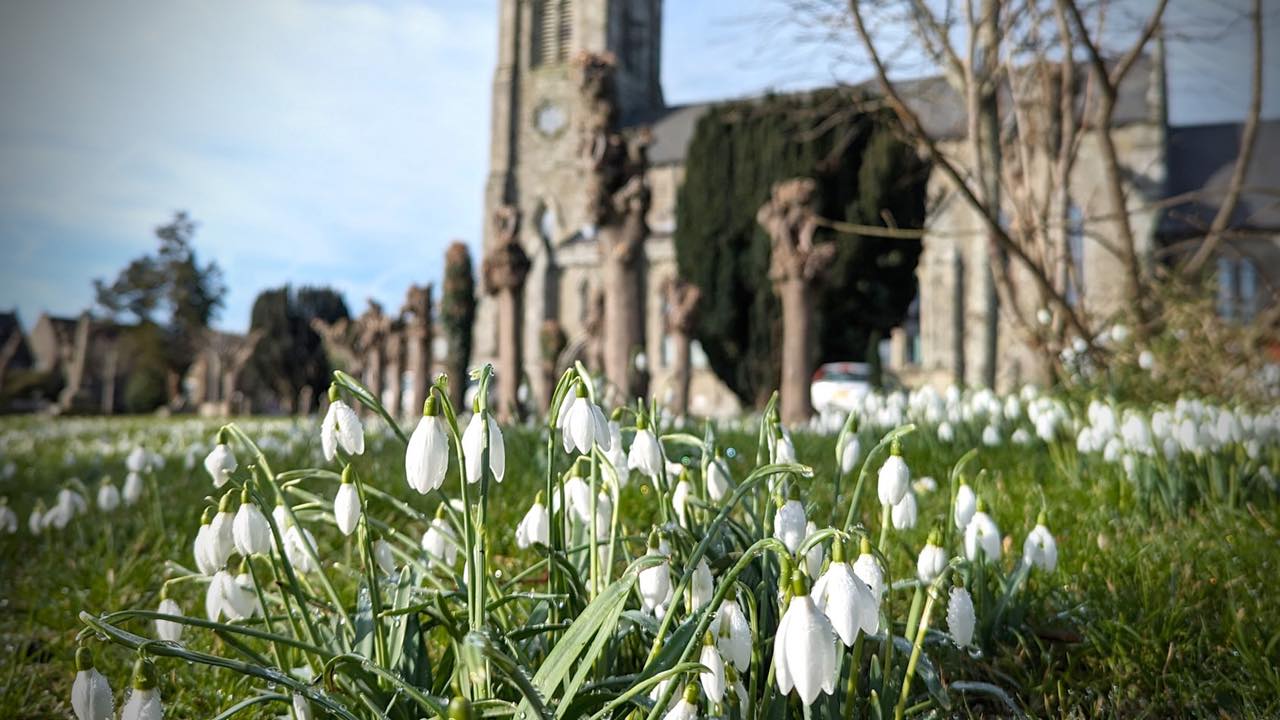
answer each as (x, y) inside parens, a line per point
(594, 560)
(855, 669)
(401, 686)
(882, 446)
(913, 615)
(918, 645)
(266, 615)
(365, 541)
(635, 690)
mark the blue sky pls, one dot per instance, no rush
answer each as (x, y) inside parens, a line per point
(339, 142)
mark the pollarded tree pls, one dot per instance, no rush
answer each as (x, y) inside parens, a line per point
(863, 177)
(458, 316)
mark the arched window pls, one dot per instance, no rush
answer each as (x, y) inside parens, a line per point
(543, 27)
(1075, 246)
(564, 30)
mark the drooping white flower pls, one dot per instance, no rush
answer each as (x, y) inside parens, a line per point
(1146, 360)
(301, 707)
(982, 534)
(535, 527)
(680, 499)
(221, 540)
(966, 505)
(789, 524)
(616, 454)
(784, 452)
(847, 601)
(584, 424)
(734, 636)
(204, 557)
(426, 461)
(960, 617)
(655, 582)
(133, 488)
(946, 433)
(712, 679)
(869, 571)
(242, 600)
(718, 482)
(932, 560)
(991, 436)
(814, 556)
(138, 460)
(340, 428)
(687, 707)
(924, 485)
(893, 480)
(383, 556)
(297, 542)
(577, 495)
(346, 505)
(905, 512)
(35, 521)
(439, 541)
(216, 603)
(473, 437)
(144, 702)
(850, 454)
(645, 454)
(169, 630)
(108, 496)
(220, 463)
(702, 586)
(249, 530)
(1041, 549)
(91, 697)
(8, 518)
(805, 649)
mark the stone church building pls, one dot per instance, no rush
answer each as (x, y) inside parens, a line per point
(535, 167)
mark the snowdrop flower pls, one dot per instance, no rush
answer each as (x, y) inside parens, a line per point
(946, 433)
(1021, 437)
(687, 708)
(680, 499)
(108, 496)
(200, 548)
(784, 452)
(804, 647)
(217, 597)
(869, 571)
(789, 524)
(535, 527)
(960, 616)
(300, 549)
(577, 495)
(221, 540)
(280, 515)
(427, 458)
(991, 436)
(905, 512)
(966, 505)
(894, 478)
(249, 530)
(144, 701)
(8, 518)
(473, 438)
(1043, 316)
(340, 428)
(981, 534)
(655, 581)
(346, 504)
(438, 541)
(242, 599)
(932, 560)
(137, 460)
(616, 455)
(734, 634)
(220, 463)
(383, 556)
(133, 488)
(718, 482)
(90, 693)
(702, 587)
(850, 453)
(1040, 549)
(713, 682)
(645, 454)
(1146, 360)
(1119, 333)
(814, 556)
(846, 600)
(584, 424)
(301, 707)
(168, 630)
(35, 521)
(924, 485)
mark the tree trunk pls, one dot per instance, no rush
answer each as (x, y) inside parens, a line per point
(797, 325)
(419, 366)
(681, 374)
(620, 309)
(509, 361)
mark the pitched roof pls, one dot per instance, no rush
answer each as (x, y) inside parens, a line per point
(1201, 159)
(935, 101)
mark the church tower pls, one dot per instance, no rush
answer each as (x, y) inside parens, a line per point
(535, 146)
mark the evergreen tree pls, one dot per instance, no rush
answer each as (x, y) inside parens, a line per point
(863, 173)
(290, 355)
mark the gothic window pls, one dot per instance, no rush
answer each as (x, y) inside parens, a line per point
(634, 30)
(543, 50)
(1237, 288)
(564, 30)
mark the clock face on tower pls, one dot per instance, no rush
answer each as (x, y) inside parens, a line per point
(549, 118)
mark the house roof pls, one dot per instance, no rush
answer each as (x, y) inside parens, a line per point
(1201, 160)
(935, 101)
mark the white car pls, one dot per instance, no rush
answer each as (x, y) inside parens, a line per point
(840, 386)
